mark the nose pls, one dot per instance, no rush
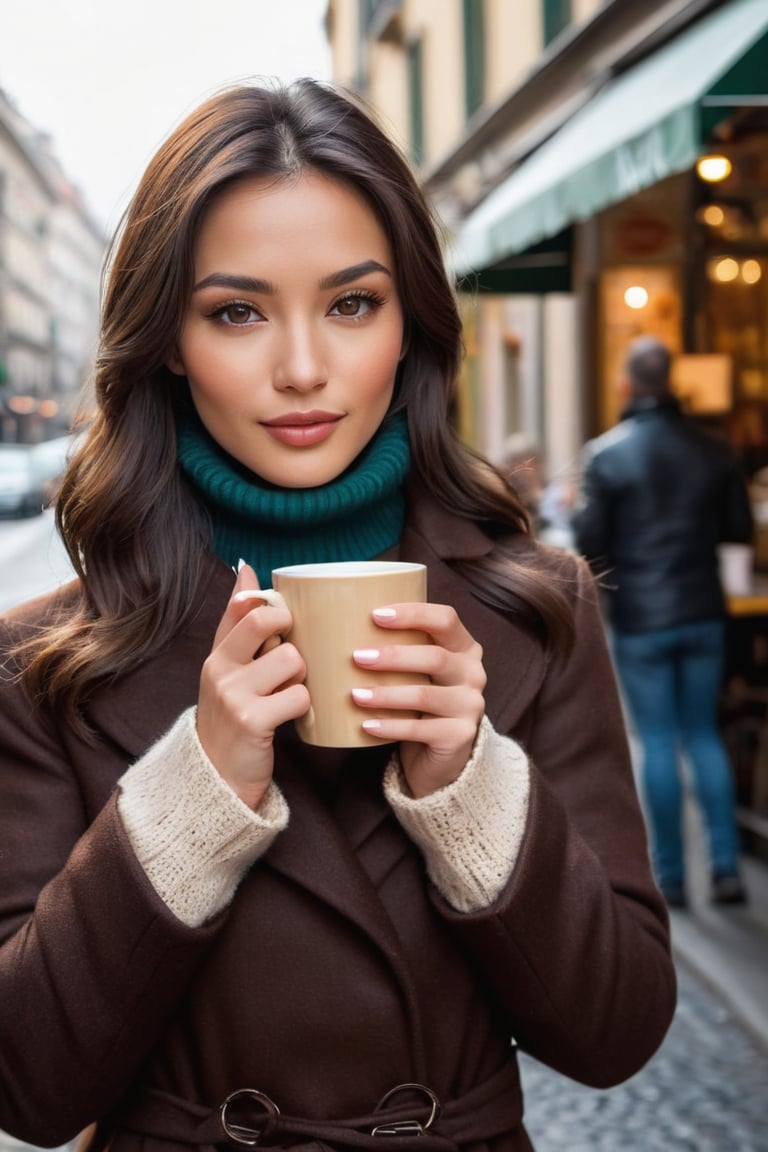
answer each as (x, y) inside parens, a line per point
(301, 363)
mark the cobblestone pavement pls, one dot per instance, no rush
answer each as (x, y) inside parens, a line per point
(704, 1091)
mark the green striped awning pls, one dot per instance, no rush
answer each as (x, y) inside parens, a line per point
(649, 123)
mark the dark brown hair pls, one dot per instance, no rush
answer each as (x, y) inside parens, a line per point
(131, 526)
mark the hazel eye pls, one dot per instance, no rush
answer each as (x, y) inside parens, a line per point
(356, 305)
(350, 306)
(236, 315)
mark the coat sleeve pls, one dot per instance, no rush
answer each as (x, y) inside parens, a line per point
(576, 948)
(591, 519)
(80, 1007)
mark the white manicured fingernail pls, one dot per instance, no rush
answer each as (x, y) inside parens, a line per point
(366, 655)
(371, 725)
(362, 693)
(240, 565)
(385, 613)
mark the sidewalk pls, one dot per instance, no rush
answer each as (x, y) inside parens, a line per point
(727, 948)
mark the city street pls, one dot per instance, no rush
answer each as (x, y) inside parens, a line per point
(705, 1089)
(32, 559)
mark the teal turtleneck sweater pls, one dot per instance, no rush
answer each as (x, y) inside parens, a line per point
(357, 516)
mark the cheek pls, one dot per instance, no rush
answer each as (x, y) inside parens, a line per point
(377, 364)
(217, 371)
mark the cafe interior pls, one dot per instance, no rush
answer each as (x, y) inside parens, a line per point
(687, 261)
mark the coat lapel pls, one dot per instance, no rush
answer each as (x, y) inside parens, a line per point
(316, 853)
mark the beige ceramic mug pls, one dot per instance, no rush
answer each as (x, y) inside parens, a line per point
(331, 605)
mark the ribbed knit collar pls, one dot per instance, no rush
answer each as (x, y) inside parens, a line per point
(355, 517)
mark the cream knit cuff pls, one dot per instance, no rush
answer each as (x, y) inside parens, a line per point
(470, 831)
(192, 834)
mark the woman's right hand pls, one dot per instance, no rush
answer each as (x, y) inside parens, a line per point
(250, 684)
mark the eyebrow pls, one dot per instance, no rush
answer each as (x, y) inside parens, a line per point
(346, 275)
(267, 288)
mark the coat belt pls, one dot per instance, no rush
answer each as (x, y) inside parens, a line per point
(411, 1114)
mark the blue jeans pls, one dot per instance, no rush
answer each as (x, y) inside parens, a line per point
(671, 681)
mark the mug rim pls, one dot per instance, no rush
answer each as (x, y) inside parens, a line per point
(335, 568)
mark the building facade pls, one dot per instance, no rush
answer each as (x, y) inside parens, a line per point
(559, 142)
(50, 264)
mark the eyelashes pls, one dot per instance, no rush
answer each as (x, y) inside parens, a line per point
(225, 314)
(372, 300)
(355, 305)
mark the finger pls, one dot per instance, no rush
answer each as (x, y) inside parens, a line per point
(443, 737)
(431, 660)
(440, 621)
(256, 695)
(264, 631)
(247, 639)
(246, 580)
(277, 669)
(424, 700)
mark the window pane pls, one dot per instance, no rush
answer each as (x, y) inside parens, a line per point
(557, 15)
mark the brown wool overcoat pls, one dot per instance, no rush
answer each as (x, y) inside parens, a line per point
(338, 972)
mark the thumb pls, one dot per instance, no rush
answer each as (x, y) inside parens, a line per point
(247, 580)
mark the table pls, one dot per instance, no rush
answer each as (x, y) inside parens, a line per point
(751, 603)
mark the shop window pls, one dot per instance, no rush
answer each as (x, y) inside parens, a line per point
(730, 304)
(474, 55)
(416, 100)
(556, 16)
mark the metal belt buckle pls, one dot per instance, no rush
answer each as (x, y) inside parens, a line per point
(240, 1133)
(407, 1127)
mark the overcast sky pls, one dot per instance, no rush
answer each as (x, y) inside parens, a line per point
(108, 79)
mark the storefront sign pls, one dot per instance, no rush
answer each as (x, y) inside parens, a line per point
(640, 235)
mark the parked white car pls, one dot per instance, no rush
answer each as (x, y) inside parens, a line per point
(29, 474)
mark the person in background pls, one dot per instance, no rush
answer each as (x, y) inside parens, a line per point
(657, 497)
(212, 933)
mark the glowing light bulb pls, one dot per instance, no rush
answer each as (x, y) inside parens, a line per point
(714, 168)
(726, 270)
(713, 215)
(636, 296)
(751, 271)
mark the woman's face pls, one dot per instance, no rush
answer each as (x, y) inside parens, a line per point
(294, 329)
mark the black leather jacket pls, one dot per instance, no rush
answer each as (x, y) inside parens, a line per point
(658, 495)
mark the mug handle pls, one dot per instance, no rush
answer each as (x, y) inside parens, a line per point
(275, 600)
(266, 595)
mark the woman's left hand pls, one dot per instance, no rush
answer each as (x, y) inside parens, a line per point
(437, 741)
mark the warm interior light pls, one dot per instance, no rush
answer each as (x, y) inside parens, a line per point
(714, 168)
(713, 215)
(636, 296)
(726, 270)
(751, 271)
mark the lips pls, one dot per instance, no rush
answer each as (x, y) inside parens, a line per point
(302, 429)
(302, 419)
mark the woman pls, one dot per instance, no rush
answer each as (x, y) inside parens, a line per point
(212, 933)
